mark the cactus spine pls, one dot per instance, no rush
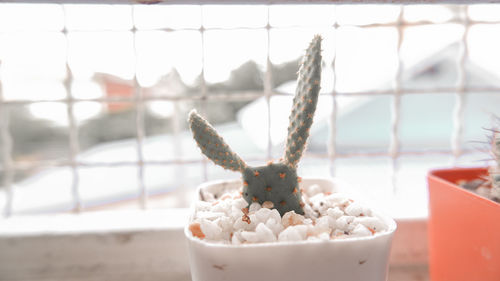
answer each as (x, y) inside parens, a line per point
(276, 183)
(495, 170)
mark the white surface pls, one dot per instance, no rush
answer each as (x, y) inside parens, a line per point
(107, 246)
(135, 245)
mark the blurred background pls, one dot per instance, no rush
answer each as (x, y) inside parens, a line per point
(94, 98)
(97, 164)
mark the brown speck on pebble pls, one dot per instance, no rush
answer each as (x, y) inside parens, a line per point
(371, 230)
(195, 229)
(246, 219)
(268, 188)
(268, 205)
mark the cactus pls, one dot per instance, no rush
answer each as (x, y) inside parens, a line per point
(276, 183)
(495, 170)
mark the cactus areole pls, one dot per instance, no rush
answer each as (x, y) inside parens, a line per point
(276, 183)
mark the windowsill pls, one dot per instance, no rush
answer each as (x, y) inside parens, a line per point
(125, 245)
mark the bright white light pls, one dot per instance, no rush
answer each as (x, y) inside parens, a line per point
(226, 50)
(366, 14)
(290, 44)
(159, 52)
(484, 12)
(432, 13)
(422, 41)
(54, 111)
(234, 16)
(167, 16)
(107, 52)
(28, 17)
(483, 47)
(98, 17)
(366, 58)
(300, 15)
(164, 109)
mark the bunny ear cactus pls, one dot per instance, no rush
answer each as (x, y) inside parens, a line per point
(276, 184)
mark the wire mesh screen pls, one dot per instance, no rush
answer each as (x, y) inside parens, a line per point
(94, 97)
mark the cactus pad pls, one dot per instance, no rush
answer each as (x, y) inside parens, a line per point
(213, 145)
(304, 103)
(276, 183)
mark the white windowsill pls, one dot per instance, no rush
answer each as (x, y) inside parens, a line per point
(132, 245)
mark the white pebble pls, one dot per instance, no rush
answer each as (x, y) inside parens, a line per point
(262, 215)
(239, 203)
(264, 233)
(211, 230)
(203, 206)
(222, 207)
(360, 231)
(275, 215)
(324, 236)
(293, 233)
(335, 212)
(354, 209)
(225, 223)
(309, 212)
(250, 236)
(308, 221)
(235, 240)
(336, 199)
(236, 213)
(274, 225)
(326, 216)
(268, 204)
(209, 215)
(291, 218)
(343, 222)
(371, 222)
(254, 207)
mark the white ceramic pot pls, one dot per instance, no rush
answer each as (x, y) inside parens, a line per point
(351, 259)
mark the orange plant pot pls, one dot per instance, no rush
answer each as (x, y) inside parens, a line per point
(464, 229)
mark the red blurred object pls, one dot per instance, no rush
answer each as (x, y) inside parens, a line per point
(116, 87)
(464, 229)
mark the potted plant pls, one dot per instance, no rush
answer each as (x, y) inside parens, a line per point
(272, 225)
(464, 222)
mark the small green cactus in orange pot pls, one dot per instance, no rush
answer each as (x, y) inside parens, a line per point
(276, 183)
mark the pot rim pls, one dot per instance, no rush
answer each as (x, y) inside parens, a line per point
(391, 223)
(436, 175)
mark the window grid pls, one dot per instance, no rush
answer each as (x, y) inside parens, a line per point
(74, 146)
(394, 145)
(458, 114)
(8, 165)
(332, 137)
(461, 90)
